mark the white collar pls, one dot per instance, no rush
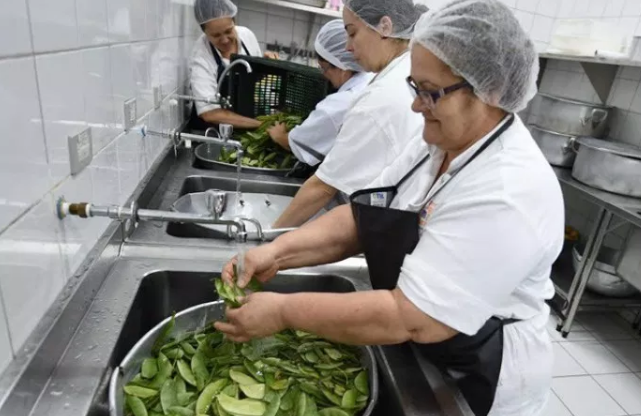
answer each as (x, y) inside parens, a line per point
(353, 81)
(390, 67)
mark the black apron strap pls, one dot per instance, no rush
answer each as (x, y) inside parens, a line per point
(219, 59)
(411, 172)
(314, 153)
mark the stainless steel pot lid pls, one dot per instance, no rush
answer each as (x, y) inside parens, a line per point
(571, 101)
(621, 149)
(535, 127)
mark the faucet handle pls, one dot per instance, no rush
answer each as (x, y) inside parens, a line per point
(226, 131)
(215, 201)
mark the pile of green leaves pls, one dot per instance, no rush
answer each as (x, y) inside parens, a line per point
(290, 374)
(260, 150)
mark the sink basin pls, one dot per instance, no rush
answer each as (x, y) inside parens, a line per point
(197, 184)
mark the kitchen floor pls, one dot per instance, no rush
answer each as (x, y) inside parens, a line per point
(597, 369)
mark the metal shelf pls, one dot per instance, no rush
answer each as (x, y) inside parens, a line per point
(591, 59)
(302, 8)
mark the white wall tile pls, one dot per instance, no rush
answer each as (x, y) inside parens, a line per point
(542, 28)
(527, 5)
(122, 80)
(636, 102)
(614, 8)
(105, 176)
(140, 64)
(99, 102)
(53, 24)
(63, 107)
(622, 93)
(6, 350)
(280, 11)
(631, 130)
(257, 21)
(548, 8)
(630, 72)
(584, 397)
(23, 157)
(596, 8)
(152, 19)
(628, 24)
(624, 388)
(137, 16)
(617, 121)
(279, 29)
(632, 8)
(119, 22)
(15, 36)
(33, 269)
(92, 22)
(526, 19)
(566, 8)
(300, 34)
(131, 162)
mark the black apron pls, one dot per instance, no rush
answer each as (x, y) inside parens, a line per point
(387, 235)
(301, 169)
(197, 123)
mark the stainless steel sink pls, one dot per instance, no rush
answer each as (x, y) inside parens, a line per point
(195, 184)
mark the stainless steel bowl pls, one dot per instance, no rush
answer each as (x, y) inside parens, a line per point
(556, 147)
(191, 320)
(603, 279)
(573, 117)
(207, 155)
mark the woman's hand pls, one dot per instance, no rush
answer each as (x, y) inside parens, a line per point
(260, 316)
(260, 263)
(278, 133)
(271, 55)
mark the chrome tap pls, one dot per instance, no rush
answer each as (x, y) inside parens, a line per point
(215, 201)
(229, 67)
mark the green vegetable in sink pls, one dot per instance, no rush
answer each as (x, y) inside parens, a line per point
(260, 151)
(292, 373)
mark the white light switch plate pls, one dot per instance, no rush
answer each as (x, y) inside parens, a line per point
(131, 113)
(80, 151)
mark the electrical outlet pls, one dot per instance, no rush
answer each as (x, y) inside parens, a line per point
(131, 113)
(80, 151)
(157, 97)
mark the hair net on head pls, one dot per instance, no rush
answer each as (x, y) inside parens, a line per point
(207, 10)
(402, 13)
(482, 41)
(330, 45)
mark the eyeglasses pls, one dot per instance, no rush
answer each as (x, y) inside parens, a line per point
(430, 97)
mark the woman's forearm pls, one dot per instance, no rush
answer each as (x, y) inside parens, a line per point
(222, 116)
(310, 198)
(328, 239)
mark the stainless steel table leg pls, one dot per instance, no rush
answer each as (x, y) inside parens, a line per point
(585, 269)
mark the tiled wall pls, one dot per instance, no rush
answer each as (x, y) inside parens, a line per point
(66, 65)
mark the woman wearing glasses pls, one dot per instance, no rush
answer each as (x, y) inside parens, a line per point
(221, 39)
(459, 235)
(379, 124)
(313, 139)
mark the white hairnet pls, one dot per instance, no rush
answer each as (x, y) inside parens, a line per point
(330, 45)
(402, 13)
(207, 10)
(482, 41)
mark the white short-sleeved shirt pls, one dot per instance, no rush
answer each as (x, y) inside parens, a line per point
(487, 244)
(375, 131)
(320, 129)
(203, 69)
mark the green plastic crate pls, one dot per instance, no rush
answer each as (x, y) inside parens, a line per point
(275, 85)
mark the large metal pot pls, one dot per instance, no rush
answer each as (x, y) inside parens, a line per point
(573, 117)
(612, 167)
(629, 266)
(190, 320)
(556, 147)
(603, 279)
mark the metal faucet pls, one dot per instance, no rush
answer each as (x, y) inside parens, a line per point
(135, 214)
(215, 201)
(224, 135)
(229, 67)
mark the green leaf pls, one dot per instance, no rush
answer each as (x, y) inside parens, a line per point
(141, 392)
(168, 396)
(207, 396)
(149, 368)
(334, 354)
(188, 348)
(332, 397)
(231, 391)
(180, 411)
(245, 407)
(361, 383)
(136, 406)
(241, 378)
(273, 407)
(185, 372)
(165, 369)
(164, 335)
(184, 398)
(349, 399)
(253, 391)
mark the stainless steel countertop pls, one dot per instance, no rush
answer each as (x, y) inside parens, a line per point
(625, 207)
(65, 365)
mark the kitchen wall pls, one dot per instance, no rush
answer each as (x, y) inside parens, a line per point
(65, 66)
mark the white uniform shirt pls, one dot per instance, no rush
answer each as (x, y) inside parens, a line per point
(320, 129)
(488, 241)
(203, 68)
(375, 131)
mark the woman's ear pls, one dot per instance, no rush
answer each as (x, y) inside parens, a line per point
(386, 27)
